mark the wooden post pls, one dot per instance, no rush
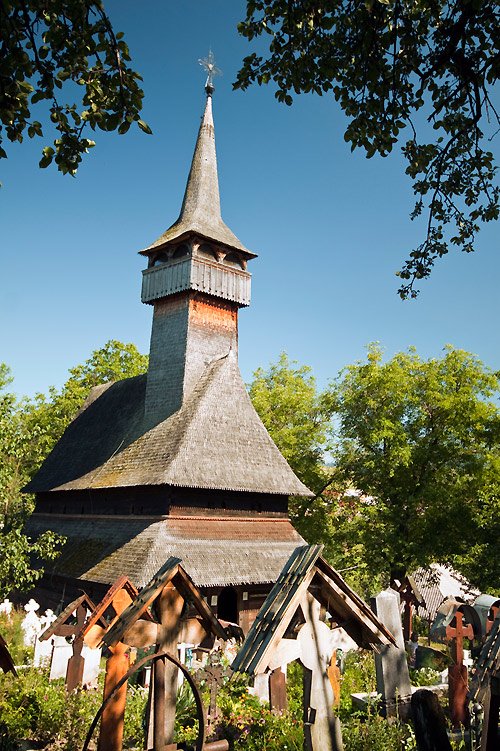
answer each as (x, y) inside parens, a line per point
(489, 733)
(277, 690)
(111, 731)
(75, 668)
(407, 620)
(457, 674)
(76, 663)
(169, 606)
(334, 677)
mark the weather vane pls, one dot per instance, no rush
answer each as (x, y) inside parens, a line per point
(208, 64)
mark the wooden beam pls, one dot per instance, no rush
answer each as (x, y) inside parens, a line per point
(142, 602)
(186, 587)
(347, 600)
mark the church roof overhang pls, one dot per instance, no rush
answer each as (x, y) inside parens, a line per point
(215, 552)
(215, 441)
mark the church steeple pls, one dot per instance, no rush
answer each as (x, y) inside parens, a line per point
(200, 212)
(196, 279)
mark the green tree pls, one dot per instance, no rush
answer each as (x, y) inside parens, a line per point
(28, 430)
(16, 549)
(479, 561)
(421, 71)
(299, 421)
(48, 48)
(419, 441)
(287, 400)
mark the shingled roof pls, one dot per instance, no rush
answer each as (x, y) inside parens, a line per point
(200, 212)
(214, 551)
(215, 440)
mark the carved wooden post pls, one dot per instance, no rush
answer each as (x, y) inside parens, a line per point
(111, 732)
(169, 608)
(457, 672)
(119, 596)
(334, 677)
(76, 663)
(60, 627)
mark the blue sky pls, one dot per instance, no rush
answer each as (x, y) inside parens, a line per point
(330, 227)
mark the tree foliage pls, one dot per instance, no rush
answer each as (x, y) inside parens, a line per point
(48, 48)
(16, 549)
(298, 418)
(414, 444)
(288, 403)
(29, 428)
(419, 71)
(419, 440)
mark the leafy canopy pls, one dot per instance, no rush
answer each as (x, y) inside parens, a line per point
(287, 401)
(417, 71)
(298, 418)
(416, 471)
(16, 549)
(419, 440)
(48, 49)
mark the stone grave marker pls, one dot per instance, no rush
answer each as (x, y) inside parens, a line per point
(43, 649)
(393, 678)
(31, 624)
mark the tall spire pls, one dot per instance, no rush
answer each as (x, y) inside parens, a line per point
(201, 204)
(200, 210)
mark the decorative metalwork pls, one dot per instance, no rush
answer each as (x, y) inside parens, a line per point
(208, 64)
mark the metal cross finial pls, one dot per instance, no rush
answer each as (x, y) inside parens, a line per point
(208, 64)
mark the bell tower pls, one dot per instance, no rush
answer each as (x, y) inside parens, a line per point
(196, 281)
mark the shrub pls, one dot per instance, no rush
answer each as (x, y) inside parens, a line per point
(10, 628)
(358, 677)
(36, 708)
(373, 733)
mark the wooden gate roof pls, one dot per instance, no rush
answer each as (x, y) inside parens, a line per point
(304, 569)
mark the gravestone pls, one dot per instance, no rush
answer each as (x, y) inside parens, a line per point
(429, 722)
(393, 678)
(321, 727)
(43, 649)
(62, 652)
(31, 624)
(6, 608)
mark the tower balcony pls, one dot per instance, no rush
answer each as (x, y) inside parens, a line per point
(207, 276)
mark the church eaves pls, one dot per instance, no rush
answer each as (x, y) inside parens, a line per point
(200, 212)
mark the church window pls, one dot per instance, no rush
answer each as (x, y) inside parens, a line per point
(227, 605)
(159, 259)
(233, 259)
(206, 252)
(181, 251)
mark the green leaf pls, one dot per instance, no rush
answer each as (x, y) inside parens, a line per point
(144, 127)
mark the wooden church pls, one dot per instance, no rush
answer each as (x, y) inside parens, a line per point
(175, 461)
